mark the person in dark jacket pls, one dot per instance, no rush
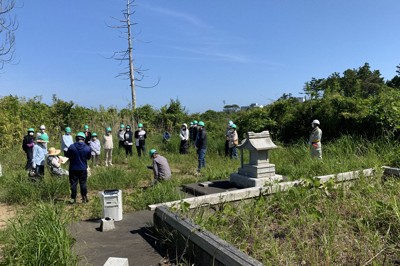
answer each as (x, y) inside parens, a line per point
(78, 153)
(201, 145)
(88, 134)
(140, 136)
(27, 146)
(128, 141)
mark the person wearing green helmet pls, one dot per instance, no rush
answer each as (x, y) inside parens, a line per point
(66, 140)
(27, 145)
(201, 145)
(140, 136)
(95, 146)
(88, 134)
(193, 132)
(108, 146)
(233, 142)
(160, 167)
(78, 153)
(39, 154)
(120, 134)
(128, 141)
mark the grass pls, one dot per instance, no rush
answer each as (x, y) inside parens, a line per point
(350, 226)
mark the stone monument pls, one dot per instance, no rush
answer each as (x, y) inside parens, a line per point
(258, 172)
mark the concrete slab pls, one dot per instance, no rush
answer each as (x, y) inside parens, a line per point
(131, 239)
(210, 187)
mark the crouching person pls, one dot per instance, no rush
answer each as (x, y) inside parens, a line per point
(54, 162)
(160, 167)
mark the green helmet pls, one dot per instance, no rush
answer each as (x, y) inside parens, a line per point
(233, 126)
(81, 135)
(86, 127)
(94, 134)
(31, 129)
(140, 125)
(128, 126)
(201, 123)
(44, 137)
(122, 126)
(152, 151)
(108, 129)
(195, 122)
(191, 123)
(68, 129)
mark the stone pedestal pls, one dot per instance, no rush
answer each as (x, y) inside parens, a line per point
(258, 172)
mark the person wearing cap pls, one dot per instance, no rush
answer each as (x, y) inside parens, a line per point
(42, 130)
(160, 167)
(201, 145)
(140, 136)
(88, 134)
(95, 146)
(66, 139)
(184, 136)
(39, 154)
(233, 142)
(315, 140)
(54, 162)
(108, 146)
(194, 131)
(78, 153)
(121, 134)
(227, 136)
(128, 141)
(27, 145)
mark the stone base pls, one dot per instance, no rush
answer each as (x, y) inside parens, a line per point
(257, 171)
(245, 181)
(107, 224)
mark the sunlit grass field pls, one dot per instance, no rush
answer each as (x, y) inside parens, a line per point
(304, 226)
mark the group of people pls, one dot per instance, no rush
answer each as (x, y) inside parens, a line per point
(125, 139)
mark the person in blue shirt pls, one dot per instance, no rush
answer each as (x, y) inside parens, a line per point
(78, 153)
(39, 154)
(66, 140)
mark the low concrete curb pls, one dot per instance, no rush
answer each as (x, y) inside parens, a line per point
(206, 248)
(391, 171)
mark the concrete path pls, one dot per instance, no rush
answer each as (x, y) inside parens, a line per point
(131, 239)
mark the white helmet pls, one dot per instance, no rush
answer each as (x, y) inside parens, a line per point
(42, 127)
(315, 122)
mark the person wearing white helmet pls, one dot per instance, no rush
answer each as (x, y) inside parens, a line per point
(227, 136)
(184, 136)
(42, 130)
(315, 140)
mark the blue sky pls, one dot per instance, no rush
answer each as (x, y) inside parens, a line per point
(204, 52)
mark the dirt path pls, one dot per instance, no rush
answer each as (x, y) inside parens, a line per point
(6, 213)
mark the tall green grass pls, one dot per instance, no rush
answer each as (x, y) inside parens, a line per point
(39, 236)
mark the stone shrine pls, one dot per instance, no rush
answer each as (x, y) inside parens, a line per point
(258, 172)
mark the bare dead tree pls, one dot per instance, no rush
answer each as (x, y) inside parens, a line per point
(8, 25)
(133, 73)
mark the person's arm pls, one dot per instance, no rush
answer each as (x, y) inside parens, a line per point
(56, 162)
(155, 169)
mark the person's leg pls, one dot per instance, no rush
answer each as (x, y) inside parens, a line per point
(29, 157)
(139, 151)
(106, 157)
(130, 150)
(226, 148)
(73, 181)
(234, 153)
(143, 147)
(82, 185)
(110, 156)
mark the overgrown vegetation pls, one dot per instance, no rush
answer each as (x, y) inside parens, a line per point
(360, 120)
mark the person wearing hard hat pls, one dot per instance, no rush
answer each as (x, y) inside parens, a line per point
(227, 137)
(39, 154)
(27, 145)
(201, 145)
(108, 146)
(88, 134)
(42, 130)
(233, 142)
(66, 140)
(315, 140)
(184, 136)
(95, 146)
(195, 131)
(160, 167)
(140, 136)
(78, 153)
(121, 134)
(191, 128)
(128, 141)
